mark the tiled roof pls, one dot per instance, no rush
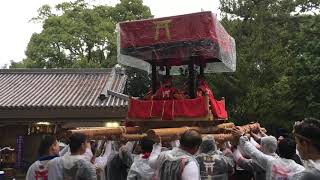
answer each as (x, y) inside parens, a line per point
(62, 88)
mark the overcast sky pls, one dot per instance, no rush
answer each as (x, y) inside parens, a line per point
(16, 30)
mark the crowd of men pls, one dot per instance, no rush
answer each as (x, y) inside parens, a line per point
(192, 157)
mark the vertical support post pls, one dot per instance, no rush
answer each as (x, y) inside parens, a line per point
(192, 87)
(154, 78)
(167, 71)
(154, 73)
(201, 70)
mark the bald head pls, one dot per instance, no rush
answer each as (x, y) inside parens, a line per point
(190, 140)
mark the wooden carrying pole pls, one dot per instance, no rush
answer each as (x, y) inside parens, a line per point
(178, 131)
(220, 137)
(169, 131)
(221, 128)
(220, 132)
(106, 131)
(250, 128)
(138, 137)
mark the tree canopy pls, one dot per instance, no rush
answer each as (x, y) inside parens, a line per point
(277, 60)
(77, 34)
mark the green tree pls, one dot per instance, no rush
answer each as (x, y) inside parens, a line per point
(138, 82)
(305, 73)
(77, 34)
(262, 87)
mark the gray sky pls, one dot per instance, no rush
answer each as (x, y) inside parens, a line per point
(16, 29)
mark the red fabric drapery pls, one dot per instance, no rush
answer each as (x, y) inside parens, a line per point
(217, 107)
(168, 109)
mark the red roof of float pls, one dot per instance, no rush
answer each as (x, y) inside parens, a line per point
(175, 40)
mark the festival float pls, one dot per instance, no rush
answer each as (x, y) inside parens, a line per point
(164, 47)
(196, 43)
